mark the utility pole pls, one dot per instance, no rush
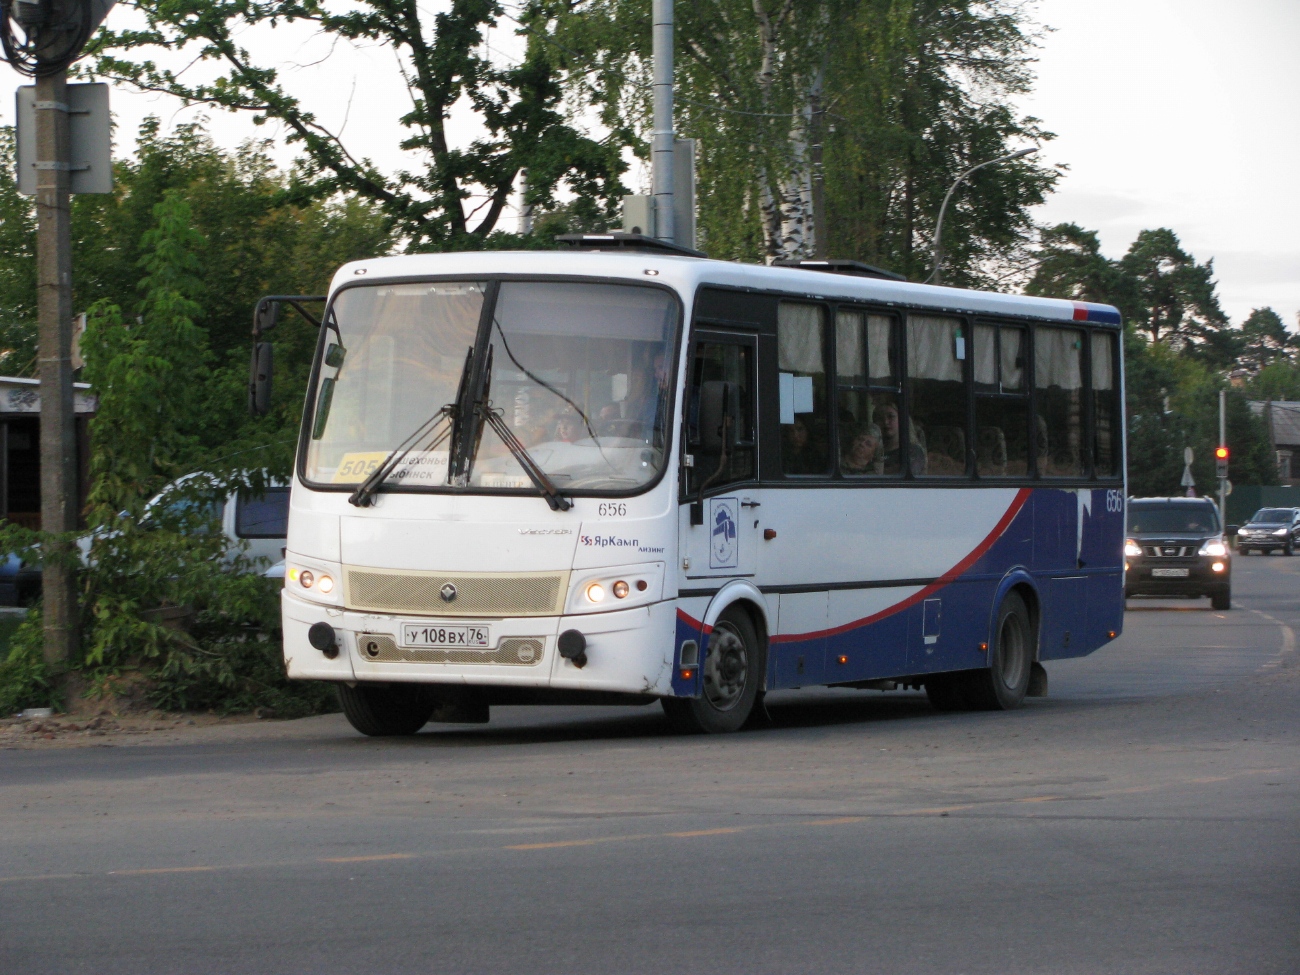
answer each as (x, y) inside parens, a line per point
(41, 38)
(1221, 456)
(662, 136)
(54, 312)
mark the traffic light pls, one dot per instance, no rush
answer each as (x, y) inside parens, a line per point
(1221, 461)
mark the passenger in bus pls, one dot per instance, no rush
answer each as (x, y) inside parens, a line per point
(887, 414)
(860, 456)
(569, 427)
(797, 453)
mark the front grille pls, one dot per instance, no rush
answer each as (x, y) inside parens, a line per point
(1170, 551)
(478, 594)
(511, 652)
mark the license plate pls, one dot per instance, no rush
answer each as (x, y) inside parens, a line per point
(470, 636)
(1169, 573)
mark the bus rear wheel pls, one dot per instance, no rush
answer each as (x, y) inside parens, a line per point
(1011, 660)
(386, 710)
(732, 674)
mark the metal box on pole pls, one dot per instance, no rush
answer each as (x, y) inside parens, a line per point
(90, 169)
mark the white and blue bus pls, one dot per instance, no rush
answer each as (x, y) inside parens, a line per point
(621, 474)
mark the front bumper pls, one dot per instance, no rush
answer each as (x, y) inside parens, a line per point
(628, 651)
(1260, 543)
(1201, 579)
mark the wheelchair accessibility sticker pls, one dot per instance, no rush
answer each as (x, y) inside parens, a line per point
(724, 545)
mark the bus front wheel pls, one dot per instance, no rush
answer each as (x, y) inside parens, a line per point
(385, 710)
(731, 672)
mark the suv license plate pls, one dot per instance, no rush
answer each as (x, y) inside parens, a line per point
(437, 637)
(1169, 573)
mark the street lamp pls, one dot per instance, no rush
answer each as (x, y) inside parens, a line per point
(936, 275)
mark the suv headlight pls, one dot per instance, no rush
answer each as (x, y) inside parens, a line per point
(1281, 531)
(1132, 549)
(1214, 547)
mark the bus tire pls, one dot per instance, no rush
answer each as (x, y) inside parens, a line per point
(735, 661)
(385, 710)
(1004, 684)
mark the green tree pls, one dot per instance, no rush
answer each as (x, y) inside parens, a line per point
(456, 197)
(1265, 341)
(1279, 380)
(902, 94)
(17, 269)
(1176, 296)
(1069, 264)
(925, 89)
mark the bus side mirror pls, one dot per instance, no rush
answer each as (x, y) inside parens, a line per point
(719, 408)
(259, 380)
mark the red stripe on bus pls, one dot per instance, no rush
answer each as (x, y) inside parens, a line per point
(693, 623)
(1003, 524)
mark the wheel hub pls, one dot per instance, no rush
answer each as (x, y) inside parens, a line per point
(726, 666)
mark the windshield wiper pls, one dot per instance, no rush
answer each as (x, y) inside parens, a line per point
(365, 491)
(554, 498)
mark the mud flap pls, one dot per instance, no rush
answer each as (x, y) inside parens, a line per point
(1037, 681)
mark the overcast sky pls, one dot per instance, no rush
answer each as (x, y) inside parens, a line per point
(1169, 113)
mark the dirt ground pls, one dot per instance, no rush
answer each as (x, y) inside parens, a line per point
(80, 730)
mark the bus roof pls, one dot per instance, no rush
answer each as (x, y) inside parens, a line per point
(686, 274)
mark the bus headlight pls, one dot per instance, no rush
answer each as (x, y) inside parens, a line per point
(1214, 548)
(1132, 549)
(616, 587)
(318, 583)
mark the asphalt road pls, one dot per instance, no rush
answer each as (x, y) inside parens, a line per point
(1144, 818)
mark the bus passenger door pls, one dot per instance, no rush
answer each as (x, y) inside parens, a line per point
(719, 517)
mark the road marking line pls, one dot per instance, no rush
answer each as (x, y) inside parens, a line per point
(156, 870)
(1041, 799)
(1288, 634)
(709, 832)
(588, 842)
(842, 821)
(377, 856)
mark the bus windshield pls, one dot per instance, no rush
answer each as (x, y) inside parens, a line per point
(580, 374)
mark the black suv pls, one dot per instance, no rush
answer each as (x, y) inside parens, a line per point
(1270, 529)
(1175, 547)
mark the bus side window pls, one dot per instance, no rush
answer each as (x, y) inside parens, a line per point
(1058, 382)
(866, 357)
(1001, 402)
(801, 365)
(733, 362)
(936, 350)
(1105, 407)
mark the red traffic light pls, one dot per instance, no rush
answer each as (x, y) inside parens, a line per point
(1221, 453)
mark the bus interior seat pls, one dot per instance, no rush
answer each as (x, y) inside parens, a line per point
(992, 452)
(947, 450)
